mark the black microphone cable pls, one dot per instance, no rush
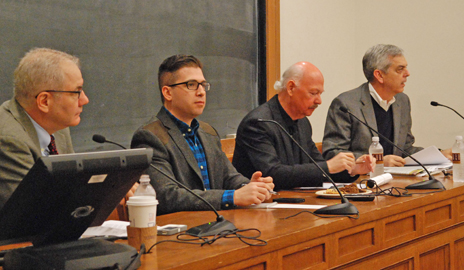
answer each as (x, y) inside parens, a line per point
(393, 191)
(185, 238)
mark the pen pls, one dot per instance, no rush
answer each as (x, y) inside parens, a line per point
(273, 192)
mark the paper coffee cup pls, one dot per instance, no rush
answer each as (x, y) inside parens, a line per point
(142, 211)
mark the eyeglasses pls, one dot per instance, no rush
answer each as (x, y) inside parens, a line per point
(193, 85)
(62, 91)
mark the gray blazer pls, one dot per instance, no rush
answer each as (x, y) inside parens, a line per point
(344, 133)
(173, 155)
(20, 148)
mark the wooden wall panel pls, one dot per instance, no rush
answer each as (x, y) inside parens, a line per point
(404, 265)
(437, 259)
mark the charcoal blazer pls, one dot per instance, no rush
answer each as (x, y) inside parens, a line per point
(173, 155)
(263, 146)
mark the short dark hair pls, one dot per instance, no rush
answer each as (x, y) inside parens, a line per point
(173, 64)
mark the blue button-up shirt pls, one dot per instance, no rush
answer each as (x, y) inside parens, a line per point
(190, 135)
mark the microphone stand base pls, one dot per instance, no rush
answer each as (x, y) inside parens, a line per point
(338, 209)
(211, 228)
(429, 184)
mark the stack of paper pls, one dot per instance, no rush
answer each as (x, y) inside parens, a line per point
(430, 156)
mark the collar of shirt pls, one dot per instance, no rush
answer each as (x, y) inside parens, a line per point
(44, 137)
(185, 129)
(382, 103)
(288, 121)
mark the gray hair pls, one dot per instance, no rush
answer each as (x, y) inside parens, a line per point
(294, 72)
(40, 68)
(378, 57)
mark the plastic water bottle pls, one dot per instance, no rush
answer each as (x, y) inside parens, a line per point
(458, 170)
(142, 210)
(376, 150)
(145, 188)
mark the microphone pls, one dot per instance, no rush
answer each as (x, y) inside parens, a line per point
(207, 229)
(101, 139)
(432, 183)
(434, 103)
(345, 208)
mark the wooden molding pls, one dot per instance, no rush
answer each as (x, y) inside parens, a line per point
(272, 45)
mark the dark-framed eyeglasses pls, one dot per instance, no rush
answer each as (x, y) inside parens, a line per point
(62, 91)
(193, 85)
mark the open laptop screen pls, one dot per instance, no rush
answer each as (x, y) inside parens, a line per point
(62, 195)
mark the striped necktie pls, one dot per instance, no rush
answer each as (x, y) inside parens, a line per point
(52, 146)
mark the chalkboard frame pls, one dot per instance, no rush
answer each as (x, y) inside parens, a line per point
(82, 133)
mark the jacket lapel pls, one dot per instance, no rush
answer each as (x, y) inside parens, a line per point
(286, 141)
(367, 109)
(396, 122)
(179, 141)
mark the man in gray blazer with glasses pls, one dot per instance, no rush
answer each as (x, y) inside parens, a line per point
(48, 98)
(190, 150)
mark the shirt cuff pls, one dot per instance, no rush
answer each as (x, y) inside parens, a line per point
(228, 199)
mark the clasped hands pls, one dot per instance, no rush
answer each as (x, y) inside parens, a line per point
(254, 192)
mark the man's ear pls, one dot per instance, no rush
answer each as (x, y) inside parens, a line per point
(166, 90)
(378, 74)
(290, 87)
(43, 102)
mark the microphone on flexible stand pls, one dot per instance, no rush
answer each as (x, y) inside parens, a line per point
(434, 103)
(101, 139)
(208, 229)
(345, 208)
(432, 183)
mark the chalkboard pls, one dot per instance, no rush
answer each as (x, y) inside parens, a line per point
(121, 44)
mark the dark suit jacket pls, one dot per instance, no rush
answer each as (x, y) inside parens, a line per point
(20, 148)
(344, 133)
(263, 146)
(173, 155)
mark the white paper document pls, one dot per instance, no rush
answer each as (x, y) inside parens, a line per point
(417, 170)
(109, 227)
(428, 156)
(275, 205)
(325, 186)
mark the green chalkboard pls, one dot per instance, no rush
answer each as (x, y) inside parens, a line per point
(121, 43)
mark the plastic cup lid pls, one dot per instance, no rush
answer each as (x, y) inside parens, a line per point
(142, 201)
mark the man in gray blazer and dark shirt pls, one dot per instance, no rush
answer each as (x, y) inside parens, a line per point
(48, 98)
(381, 103)
(190, 150)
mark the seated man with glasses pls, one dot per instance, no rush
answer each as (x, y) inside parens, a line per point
(48, 98)
(190, 150)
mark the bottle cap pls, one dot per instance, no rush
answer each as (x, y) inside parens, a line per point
(459, 138)
(375, 139)
(144, 178)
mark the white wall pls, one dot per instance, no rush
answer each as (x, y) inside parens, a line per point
(334, 35)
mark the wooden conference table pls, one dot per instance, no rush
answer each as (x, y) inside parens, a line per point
(417, 232)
